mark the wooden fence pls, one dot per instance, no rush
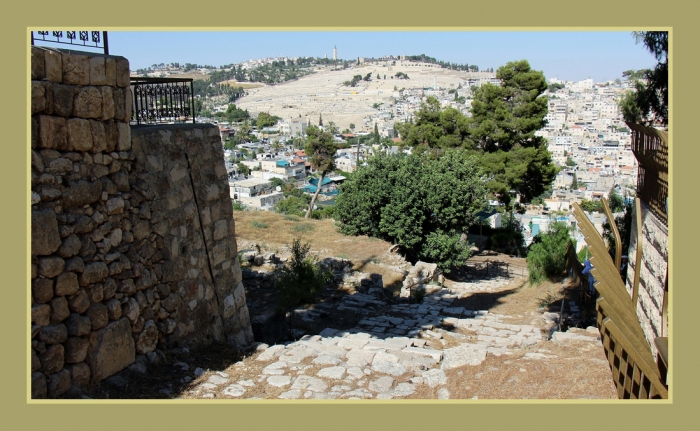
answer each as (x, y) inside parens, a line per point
(634, 370)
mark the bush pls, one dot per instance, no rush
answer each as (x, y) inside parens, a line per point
(506, 240)
(237, 206)
(303, 280)
(259, 224)
(582, 254)
(547, 255)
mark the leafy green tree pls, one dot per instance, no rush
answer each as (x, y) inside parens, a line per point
(421, 203)
(547, 255)
(352, 127)
(591, 206)
(615, 201)
(570, 162)
(332, 128)
(648, 103)
(266, 120)
(320, 150)
(243, 169)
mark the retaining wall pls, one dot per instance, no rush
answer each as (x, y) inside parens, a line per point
(133, 243)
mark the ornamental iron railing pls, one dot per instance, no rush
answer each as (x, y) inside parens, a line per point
(162, 100)
(634, 370)
(83, 39)
(650, 148)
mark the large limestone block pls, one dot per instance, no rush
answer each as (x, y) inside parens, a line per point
(111, 349)
(124, 133)
(38, 97)
(107, 103)
(52, 132)
(53, 66)
(98, 71)
(38, 72)
(76, 69)
(110, 71)
(81, 193)
(79, 134)
(45, 236)
(123, 74)
(63, 96)
(87, 103)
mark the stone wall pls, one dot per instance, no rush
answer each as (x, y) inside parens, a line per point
(133, 243)
(653, 272)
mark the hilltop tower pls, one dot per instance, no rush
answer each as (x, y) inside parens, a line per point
(335, 53)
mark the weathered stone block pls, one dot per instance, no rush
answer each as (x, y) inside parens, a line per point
(79, 373)
(127, 104)
(59, 310)
(147, 339)
(41, 314)
(114, 309)
(94, 273)
(111, 349)
(59, 384)
(97, 313)
(45, 236)
(75, 349)
(38, 72)
(98, 72)
(63, 96)
(70, 246)
(108, 107)
(52, 132)
(81, 193)
(50, 267)
(36, 362)
(52, 359)
(123, 74)
(53, 66)
(111, 134)
(35, 132)
(87, 103)
(79, 134)
(124, 140)
(53, 334)
(79, 302)
(78, 325)
(96, 293)
(42, 290)
(66, 284)
(76, 69)
(99, 138)
(39, 390)
(110, 71)
(115, 206)
(38, 97)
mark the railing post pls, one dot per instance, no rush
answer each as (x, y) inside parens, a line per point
(104, 36)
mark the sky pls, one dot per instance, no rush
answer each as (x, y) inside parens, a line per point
(570, 56)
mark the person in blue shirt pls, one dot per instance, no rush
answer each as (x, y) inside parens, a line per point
(587, 267)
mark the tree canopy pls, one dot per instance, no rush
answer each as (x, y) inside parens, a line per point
(320, 150)
(501, 132)
(421, 203)
(648, 103)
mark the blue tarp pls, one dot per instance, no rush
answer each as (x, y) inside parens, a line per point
(314, 181)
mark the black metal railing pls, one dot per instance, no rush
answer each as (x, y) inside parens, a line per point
(162, 100)
(83, 39)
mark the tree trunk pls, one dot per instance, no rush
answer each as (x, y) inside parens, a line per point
(313, 199)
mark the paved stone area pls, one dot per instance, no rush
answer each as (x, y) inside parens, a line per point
(398, 341)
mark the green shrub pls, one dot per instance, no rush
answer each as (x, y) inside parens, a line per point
(259, 224)
(547, 255)
(582, 254)
(237, 206)
(506, 240)
(303, 280)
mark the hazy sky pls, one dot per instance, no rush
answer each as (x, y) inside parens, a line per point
(565, 55)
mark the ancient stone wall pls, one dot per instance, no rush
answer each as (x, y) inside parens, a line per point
(654, 267)
(133, 243)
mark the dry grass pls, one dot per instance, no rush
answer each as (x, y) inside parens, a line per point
(245, 85)
(364, 252)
